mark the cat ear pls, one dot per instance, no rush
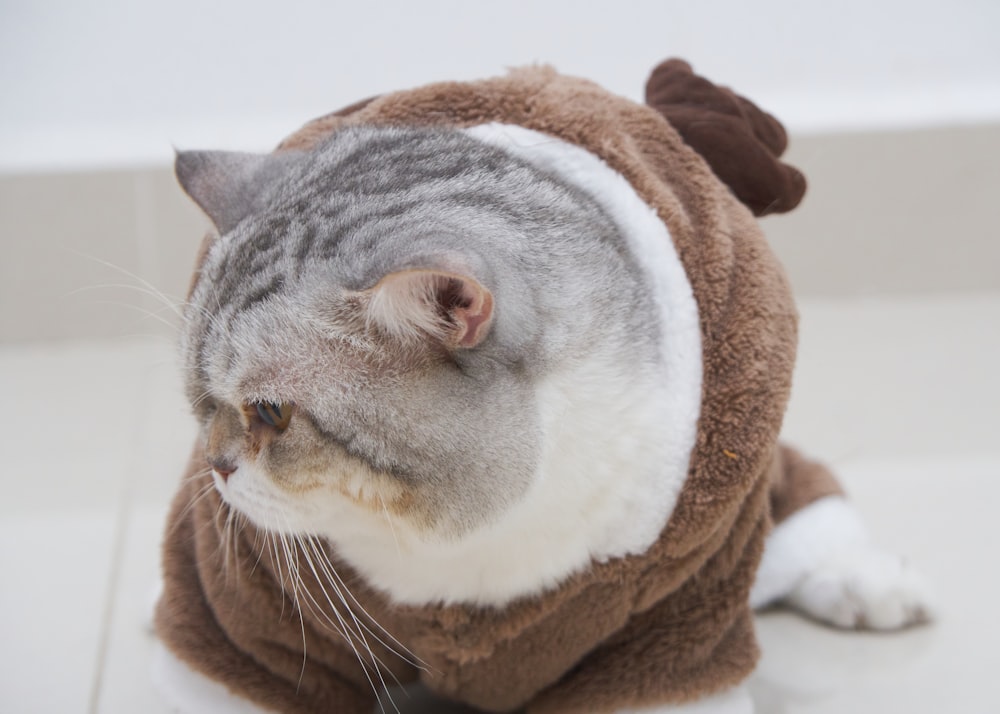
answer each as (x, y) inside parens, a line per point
(453, 308)
(228, 185)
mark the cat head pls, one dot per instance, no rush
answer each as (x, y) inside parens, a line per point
(369, 331)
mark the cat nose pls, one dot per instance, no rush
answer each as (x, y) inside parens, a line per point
(223, 467)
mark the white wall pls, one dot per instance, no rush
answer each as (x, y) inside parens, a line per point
(90, 83)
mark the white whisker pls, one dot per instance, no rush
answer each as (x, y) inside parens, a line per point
(145, 312)
(178, 307)
(392, 528)
(200, 494)
(142, 282)
(175, 305)
(334, 578)
(200, 398)
(277, 565)
(260, 550)
(292, 566)
(361, 628)
(352, 634)
(166, 303)
(226, 541)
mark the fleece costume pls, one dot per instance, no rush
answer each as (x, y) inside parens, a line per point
(669, 625)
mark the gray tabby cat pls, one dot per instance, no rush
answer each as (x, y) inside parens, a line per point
(471, 373)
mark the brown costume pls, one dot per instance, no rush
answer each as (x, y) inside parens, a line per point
(669, 625)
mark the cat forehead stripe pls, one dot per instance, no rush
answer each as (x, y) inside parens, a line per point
(353, 193)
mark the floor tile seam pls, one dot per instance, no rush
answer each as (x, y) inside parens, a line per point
(126, 500)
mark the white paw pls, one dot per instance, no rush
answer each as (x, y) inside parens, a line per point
(863, 587)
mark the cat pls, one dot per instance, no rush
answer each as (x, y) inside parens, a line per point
(454, 367)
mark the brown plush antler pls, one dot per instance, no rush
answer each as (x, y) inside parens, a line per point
(739, 141)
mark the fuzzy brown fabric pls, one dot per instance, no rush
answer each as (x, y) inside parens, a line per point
(796, 482)
(740, 142)
(670, 625)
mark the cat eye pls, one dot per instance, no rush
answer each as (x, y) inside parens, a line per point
(273, 414)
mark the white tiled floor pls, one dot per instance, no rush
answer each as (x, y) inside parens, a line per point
(902, 396)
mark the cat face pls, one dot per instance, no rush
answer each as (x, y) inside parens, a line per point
(411, 341)
(311, 409)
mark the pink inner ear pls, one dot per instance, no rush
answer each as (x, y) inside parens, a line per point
(453, 308)
(474, 315)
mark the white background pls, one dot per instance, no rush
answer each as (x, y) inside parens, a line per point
(108, 82)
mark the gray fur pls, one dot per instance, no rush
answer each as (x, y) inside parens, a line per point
(228, 185)
(271, 317)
